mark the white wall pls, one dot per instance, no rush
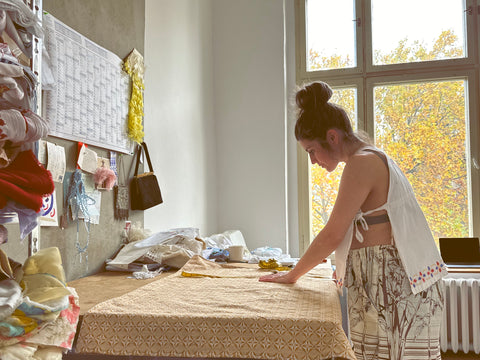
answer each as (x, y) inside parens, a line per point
(215, 116)
(250, 119)
(179, 123)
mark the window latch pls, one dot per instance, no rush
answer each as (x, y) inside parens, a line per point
(475, 164)
(358, 21)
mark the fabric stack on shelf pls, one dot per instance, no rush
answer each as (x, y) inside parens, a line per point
(23, 181)
(38, 312)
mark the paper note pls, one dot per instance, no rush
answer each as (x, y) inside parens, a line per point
(87, 160)
(56, 161)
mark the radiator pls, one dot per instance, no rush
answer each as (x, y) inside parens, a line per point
(460, 327)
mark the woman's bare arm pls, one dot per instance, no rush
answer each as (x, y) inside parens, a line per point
(357, 181)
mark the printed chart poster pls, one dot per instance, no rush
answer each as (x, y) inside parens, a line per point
(90, 98)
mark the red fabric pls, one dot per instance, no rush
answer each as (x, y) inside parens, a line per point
(25, 181)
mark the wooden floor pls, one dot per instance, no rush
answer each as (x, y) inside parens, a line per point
(450, 355)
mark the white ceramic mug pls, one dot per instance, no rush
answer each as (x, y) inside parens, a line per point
(236, 252)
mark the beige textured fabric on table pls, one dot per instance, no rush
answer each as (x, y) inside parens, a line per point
(219, 311)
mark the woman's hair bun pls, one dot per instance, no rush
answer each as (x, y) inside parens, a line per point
(313, 95)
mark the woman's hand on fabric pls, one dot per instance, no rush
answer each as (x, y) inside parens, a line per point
(283, 277)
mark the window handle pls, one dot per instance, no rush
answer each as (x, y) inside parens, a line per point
(469, 10)
(475, 164)
(358, 21)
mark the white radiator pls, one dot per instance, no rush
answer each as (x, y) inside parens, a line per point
(461, 316)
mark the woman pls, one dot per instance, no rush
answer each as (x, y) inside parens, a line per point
(385, 252)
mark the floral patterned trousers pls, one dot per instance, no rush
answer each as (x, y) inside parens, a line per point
(387, 321)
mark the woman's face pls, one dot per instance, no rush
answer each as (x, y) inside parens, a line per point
(319, 155)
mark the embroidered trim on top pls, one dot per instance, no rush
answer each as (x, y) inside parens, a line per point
(429, 271)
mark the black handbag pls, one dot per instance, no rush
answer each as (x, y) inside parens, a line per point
(144, 189)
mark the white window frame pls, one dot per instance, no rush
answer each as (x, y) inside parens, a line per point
(365, 76)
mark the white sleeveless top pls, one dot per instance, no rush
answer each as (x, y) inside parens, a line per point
(413, 239)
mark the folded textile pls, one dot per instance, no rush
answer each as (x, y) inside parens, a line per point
(8, 267)
(18, 89)
(8, 69)
(3, 234)
(37, 127)
(27, 351)
(43, 276)
(10, 297)
(11, 90)
(19, 126)
(5, 52)
(61, 331)
(176, 251)
(13, 126)
(40, 330)
(19, 22)
(200, 267)
(8, 153)
(25, 181)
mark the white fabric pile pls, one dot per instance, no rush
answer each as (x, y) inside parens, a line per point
(172, 248)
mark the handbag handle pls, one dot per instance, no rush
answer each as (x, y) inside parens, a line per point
(139, 151)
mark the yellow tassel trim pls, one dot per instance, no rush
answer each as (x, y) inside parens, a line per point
(133, 65)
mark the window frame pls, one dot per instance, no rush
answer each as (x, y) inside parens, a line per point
(365, 76)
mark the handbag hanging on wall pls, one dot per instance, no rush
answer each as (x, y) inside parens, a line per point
(144, 189)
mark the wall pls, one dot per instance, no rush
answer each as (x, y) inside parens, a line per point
(215, 105)
(250, 113)
(97, 20)
(179, 115)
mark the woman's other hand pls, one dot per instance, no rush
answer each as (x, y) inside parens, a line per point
(283, 277)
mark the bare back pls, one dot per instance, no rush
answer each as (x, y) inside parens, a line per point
(380, 233)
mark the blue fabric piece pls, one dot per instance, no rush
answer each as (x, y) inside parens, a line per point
(27, 218)
(219, 255)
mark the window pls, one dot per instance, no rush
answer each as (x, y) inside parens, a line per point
(407, 73)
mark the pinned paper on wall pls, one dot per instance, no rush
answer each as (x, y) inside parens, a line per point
(48, 212)
(56, 163)
(87, 159)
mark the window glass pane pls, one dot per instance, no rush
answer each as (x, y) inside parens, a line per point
(324, 185)
(330, 33)
(423, 127)
(412, 31)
